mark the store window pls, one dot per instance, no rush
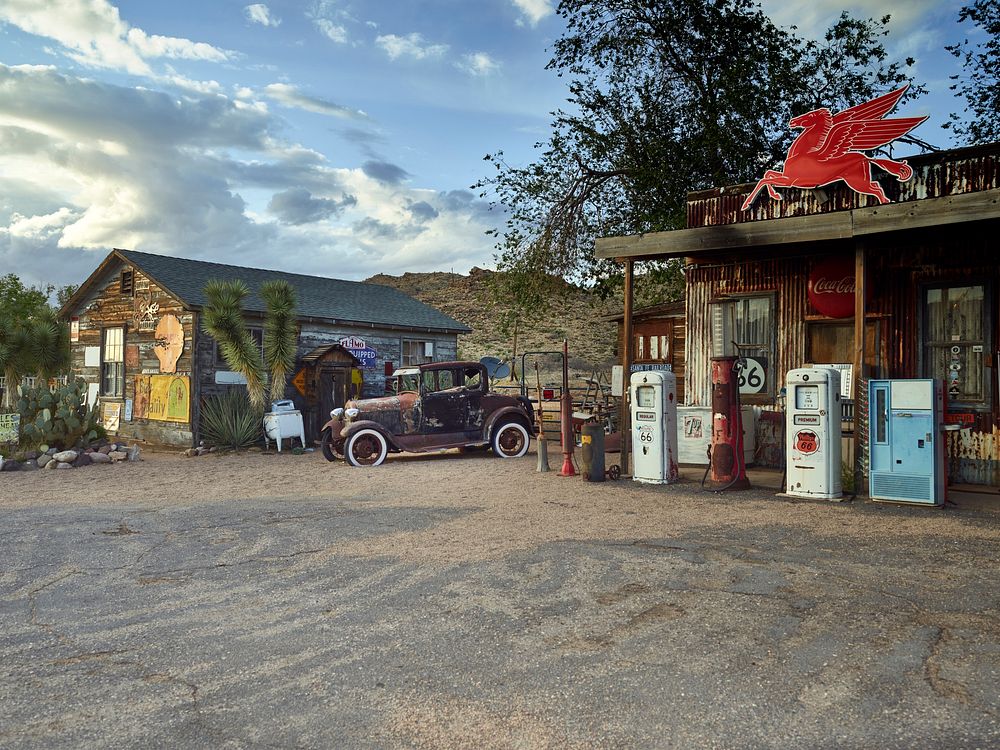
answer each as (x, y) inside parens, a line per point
(257, 334)
(652, 341)
(745, 326)
(113, 363)
(417, 352)
(955, 343)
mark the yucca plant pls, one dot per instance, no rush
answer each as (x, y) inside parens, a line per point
(49, 344)
(280, 333)
(222, 319)
(231, 421)
(15, 357)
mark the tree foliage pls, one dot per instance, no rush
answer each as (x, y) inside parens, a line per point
(979, 84)
(666, 97)
(33, 341)
(223, 320)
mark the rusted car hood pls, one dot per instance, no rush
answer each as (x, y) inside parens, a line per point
(398, 414)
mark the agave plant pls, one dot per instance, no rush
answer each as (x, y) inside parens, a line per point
(231, 421)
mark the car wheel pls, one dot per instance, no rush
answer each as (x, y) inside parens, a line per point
(332, 449)
(510, 440)
(366, 448)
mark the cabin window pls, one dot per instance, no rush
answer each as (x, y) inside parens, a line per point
(113, 363)
(126, 282)
(745, 326)
(257, 334)
(417, 352)
(955, 345)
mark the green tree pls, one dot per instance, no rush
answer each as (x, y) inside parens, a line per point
(222, 319)
(666, 97)
(33, 341)
(979, 83)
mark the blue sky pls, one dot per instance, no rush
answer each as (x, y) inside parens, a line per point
(330, 137)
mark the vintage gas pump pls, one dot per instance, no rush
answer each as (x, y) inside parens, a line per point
(812, 420)
(654, 427)
(727, 464)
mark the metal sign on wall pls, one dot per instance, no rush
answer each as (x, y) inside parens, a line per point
(10, 425)
(360, 349)
(830, 147)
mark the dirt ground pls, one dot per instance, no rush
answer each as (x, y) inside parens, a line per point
(459, 600)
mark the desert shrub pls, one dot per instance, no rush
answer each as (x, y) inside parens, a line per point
(230, 421)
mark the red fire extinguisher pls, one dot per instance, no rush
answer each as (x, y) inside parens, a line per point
(726, 461)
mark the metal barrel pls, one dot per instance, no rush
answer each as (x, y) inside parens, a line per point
(592, 451)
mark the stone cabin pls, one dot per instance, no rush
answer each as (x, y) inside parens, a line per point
(137, 342)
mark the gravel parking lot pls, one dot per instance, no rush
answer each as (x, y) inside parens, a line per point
(463, 601)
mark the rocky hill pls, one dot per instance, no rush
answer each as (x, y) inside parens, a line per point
(576, 315)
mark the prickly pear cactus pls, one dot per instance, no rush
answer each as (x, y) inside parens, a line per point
(58, 418)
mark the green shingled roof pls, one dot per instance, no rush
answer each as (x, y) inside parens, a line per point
(318, 296)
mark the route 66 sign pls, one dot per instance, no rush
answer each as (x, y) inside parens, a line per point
(753, 375)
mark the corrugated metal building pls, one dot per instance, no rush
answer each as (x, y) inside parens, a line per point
(779, 280)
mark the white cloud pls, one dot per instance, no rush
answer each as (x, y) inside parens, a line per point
(478, 64)
(534, 10)
(815, 17)
(290, 96)
(333, 31)
(412, 45)
(261, 14)
(86, 166)
(94, 34)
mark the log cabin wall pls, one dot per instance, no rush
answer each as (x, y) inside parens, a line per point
(136, 310)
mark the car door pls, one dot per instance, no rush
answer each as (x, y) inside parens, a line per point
(443, 405)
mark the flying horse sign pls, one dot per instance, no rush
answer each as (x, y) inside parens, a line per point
(830, 149)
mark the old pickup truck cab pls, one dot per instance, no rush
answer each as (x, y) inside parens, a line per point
(433, 407)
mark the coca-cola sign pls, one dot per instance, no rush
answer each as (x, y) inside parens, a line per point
(831, 287)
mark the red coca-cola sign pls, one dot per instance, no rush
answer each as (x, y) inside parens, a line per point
(831, 287)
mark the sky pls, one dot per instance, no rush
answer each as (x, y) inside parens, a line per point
(329, 137)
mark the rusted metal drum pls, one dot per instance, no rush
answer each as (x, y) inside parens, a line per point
(592, 451)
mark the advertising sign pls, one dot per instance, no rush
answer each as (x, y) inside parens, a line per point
(753, 376)
(9, 427)
(830, 149)
(831, 287)
(360, 349)
(164, 398)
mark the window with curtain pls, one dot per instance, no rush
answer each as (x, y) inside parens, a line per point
(955, 341)
(745, 326)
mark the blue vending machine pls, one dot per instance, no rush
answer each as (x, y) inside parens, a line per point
(905, 441)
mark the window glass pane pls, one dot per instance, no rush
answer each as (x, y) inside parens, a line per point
(654, 347)
(446, 379)
(664, 347)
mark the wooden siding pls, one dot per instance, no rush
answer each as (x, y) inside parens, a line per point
(106, 307)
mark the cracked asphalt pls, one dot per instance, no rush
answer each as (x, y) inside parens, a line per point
(464, 601)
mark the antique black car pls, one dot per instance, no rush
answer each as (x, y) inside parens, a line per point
(433, 406)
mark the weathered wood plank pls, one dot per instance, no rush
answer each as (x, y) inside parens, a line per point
(949, 209)
(729, 236)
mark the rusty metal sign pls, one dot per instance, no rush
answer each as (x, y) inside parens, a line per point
(830, 147)
(299, 381)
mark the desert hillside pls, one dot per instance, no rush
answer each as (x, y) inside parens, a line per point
(576, 315)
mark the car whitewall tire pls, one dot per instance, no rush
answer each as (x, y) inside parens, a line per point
(366, 448)
(510, 440)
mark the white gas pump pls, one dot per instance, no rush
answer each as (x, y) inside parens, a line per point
(812, 442)
(654, 427)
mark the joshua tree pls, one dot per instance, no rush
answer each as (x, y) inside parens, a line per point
(223, 320)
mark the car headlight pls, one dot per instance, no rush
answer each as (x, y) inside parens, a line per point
(352, 412)
(336, 413)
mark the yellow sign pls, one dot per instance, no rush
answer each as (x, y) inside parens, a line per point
(169, 398)
(111, 415)
(299, 381)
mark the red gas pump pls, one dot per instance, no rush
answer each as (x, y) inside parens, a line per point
(726, 460)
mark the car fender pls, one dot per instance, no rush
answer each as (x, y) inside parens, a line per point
(502, 415)
(369, 424)
(335, 426)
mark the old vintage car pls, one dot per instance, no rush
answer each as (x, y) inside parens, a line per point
(433, 406)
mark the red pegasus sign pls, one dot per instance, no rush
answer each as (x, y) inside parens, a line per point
(829, 149)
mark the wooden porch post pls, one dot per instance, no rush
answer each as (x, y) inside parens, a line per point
(625, 430)
(860, 375)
